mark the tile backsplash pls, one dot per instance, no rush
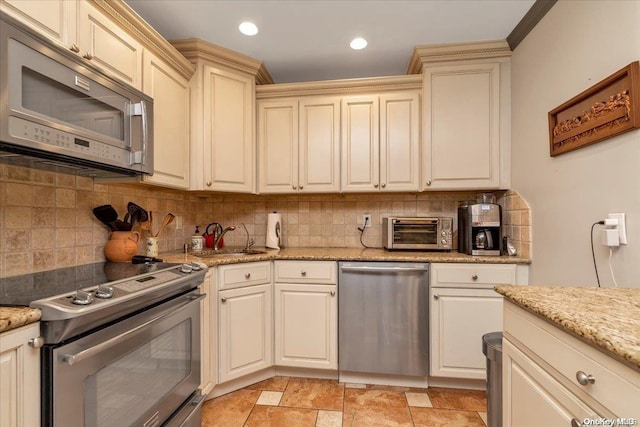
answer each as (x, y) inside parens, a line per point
(46, 218)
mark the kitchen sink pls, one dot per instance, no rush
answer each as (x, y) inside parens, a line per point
(228, 252)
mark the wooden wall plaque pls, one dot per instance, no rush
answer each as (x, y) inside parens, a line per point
(608, 108)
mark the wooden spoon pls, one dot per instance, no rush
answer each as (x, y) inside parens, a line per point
(168, 219)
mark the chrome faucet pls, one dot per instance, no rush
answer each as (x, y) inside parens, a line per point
(216, 242)
(250, 242)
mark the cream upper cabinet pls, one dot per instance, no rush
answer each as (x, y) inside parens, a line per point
(55, 19)
(20, 377)
(171, 105)
(380, 142)
(106, 45)
(466, 115)
(299, 145)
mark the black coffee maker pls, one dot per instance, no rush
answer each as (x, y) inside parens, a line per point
(479, 228)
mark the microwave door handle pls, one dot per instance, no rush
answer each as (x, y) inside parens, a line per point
(140, 109)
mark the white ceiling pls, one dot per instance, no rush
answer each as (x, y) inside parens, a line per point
(306, 40)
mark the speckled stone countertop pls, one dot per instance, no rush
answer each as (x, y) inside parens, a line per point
(345, 254)
(15, 317)
(606, 318)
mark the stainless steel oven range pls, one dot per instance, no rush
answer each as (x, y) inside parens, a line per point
(121, 344)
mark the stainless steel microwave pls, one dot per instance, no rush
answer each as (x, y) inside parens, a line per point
(58, 109)
(425, 233)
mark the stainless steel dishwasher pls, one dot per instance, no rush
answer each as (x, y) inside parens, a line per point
(383, 318)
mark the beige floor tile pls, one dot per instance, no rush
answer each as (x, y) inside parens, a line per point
(313, 393)
(364, 408)
(354, 385)
(329, 419)
(451, 398)
(270, 398)
(483, 415)
(420, 400)
(229, 410)
(276, 416)
(272, 384)
(429, 417)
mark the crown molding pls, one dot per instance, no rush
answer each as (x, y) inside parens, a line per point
(196, 49)
(428, 54)
(127, 18)
(340, 87)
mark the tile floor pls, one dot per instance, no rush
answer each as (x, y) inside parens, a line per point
(302, 402)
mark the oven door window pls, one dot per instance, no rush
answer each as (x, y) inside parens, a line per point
(123, 391)
(415, 234)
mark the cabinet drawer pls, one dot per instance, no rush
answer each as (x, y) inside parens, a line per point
(322, 272)
(614, 383)
(247, 274)
(460, 275)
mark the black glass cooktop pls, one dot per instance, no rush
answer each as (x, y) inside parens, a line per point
(21, 290)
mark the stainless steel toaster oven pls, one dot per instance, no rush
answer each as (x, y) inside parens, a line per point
(424, 233)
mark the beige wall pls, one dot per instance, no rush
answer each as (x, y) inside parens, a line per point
(577, 44)
(46, 218)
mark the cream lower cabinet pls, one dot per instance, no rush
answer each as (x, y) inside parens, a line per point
(463, 307)
(245, 316)
(20, 377)
(299, 145)
(380, 142)
(541, 365)
(170, 93)
(306, 314)
(208, 334)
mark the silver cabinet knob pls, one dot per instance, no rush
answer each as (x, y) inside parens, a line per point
(375, 185)
(208, 183)
(436, 296)
(294, 187)
(223, 299)
(36, 342)
(247, 276)
(333, 293)
(429, 182)
(584, 378)
(474, 277)
(74, 48)
(384, 185)
(575, 423)
(87, 56)
(301, 187)
(303, 273)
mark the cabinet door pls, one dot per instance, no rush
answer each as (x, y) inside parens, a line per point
(108, 46)
(531, 397)
(360, 143)
(170, 93)
(462, 126)
(19, 378)
(208, 334)
(306, 325)
(400, 142)
(55, 19)
(229, 131)
(278, 146)
(245, 337)
(459, 319)
(319, 154)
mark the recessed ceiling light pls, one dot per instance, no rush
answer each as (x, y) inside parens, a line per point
(358, 43)
(248, 29)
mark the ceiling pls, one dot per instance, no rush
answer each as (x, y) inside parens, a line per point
(307, 40)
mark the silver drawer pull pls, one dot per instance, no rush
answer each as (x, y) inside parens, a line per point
(474, 277)
(303, 273)
(247, 276)
(87, 56)
(575, 423)
(223, 299)
(333, 293)
(436, 296)
(36, 342)
(584, 379)
(74, 48)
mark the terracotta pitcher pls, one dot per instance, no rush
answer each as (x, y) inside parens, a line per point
(122, 246)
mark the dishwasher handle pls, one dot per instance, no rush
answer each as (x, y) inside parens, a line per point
(384, 269)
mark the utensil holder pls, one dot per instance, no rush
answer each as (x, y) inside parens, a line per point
(152, 246)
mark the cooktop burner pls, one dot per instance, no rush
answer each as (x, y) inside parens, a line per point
(22, 290)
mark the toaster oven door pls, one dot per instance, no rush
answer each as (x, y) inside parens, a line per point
(415, 234)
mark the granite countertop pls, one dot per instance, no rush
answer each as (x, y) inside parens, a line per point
(608, 319)
(344, 254)
(15, 317)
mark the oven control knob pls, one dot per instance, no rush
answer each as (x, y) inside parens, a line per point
(195, 266)
(444, 241)
(82, 298)
(444, 233)
(186, 268)
(104, 292)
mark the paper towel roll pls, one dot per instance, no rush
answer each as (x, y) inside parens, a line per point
(274, 230)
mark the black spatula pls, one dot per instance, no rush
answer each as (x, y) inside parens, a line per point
(107, 215)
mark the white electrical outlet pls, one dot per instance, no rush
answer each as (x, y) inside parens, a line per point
(366, 220)
(179, 222)
(622, 226)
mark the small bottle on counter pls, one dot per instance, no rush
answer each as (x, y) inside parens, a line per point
(197, 241)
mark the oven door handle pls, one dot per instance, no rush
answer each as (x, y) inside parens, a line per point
(75, 358)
